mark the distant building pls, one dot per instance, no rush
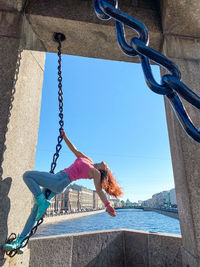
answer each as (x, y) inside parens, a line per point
(97, 203)
(164, 198)
(116, 203)
(160, 199)
(128, 202)
(86, 198)
(75, 197)
(155, 200)
(72, 197)
(52, 207)
(173, 196)
(60, 202)
(140, 202)
(147, 203)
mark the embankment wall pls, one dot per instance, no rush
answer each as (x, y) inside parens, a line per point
(117, 248)
(65, 217)
(164, 212)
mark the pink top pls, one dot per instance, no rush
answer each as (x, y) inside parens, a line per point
(79, 169)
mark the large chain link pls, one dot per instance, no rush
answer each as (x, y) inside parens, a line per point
(171, 84)
(58, 37)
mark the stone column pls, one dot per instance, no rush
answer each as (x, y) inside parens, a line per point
(185, 151)
(21, 73)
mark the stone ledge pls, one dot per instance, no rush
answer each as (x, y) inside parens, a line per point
(119, 248)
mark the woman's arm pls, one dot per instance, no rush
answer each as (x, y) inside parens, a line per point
(76, 152)
(97, 184)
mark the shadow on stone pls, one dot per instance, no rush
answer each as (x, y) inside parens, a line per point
(4, 211)
(5, 184)
(108, 256)
(103, 249)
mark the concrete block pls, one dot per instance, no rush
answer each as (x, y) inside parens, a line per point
(181, 17)
(10, 24)
(84, 31)
(189, 47)
(51, 251)
(118, 248)
(136, 247)
(20, 95)
(98, 249)
(164, 250)
(188, 259)
(186, 152)
(12, 5)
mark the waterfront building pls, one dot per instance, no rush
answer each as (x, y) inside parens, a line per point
(128, 202)
(173, 197)
(147, 203)
(74, 198)
(86, 198)
(51, 208)
(161, 199)
(155, 202)
(116, 203)
(140, 202)
(123, 203)
(60, 202)
(97, 203)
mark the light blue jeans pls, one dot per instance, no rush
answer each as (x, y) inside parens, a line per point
(57, 183)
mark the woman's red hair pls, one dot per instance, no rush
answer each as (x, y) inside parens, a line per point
(109, 184)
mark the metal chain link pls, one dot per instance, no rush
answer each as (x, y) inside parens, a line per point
(58, 37)
(171, 85)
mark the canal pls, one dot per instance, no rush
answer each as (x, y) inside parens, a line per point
(125, 218)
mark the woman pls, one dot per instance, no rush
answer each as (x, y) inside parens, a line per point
(82, 168)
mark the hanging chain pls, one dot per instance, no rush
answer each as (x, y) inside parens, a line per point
(58, 37)
(171, 84)
(24, 243)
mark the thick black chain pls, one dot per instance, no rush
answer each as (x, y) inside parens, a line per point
(58, 37)
(13, 236)
(171, 85)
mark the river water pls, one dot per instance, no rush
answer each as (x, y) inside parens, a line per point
(127, 218)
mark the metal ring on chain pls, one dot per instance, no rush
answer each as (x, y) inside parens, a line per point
(171, 84)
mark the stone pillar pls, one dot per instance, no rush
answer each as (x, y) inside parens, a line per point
(21, 73)
(185, 151)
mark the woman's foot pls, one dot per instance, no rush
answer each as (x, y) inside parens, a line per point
(14, 245)
(43, 204)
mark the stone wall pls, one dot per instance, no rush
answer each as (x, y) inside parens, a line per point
(118, 248)
(167, 213)
(164, 212)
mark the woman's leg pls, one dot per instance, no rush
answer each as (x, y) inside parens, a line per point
(30, 222)
(55, 182)
(31, 219)
(34, 179)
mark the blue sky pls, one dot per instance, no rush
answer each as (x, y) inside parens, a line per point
(110, 114)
